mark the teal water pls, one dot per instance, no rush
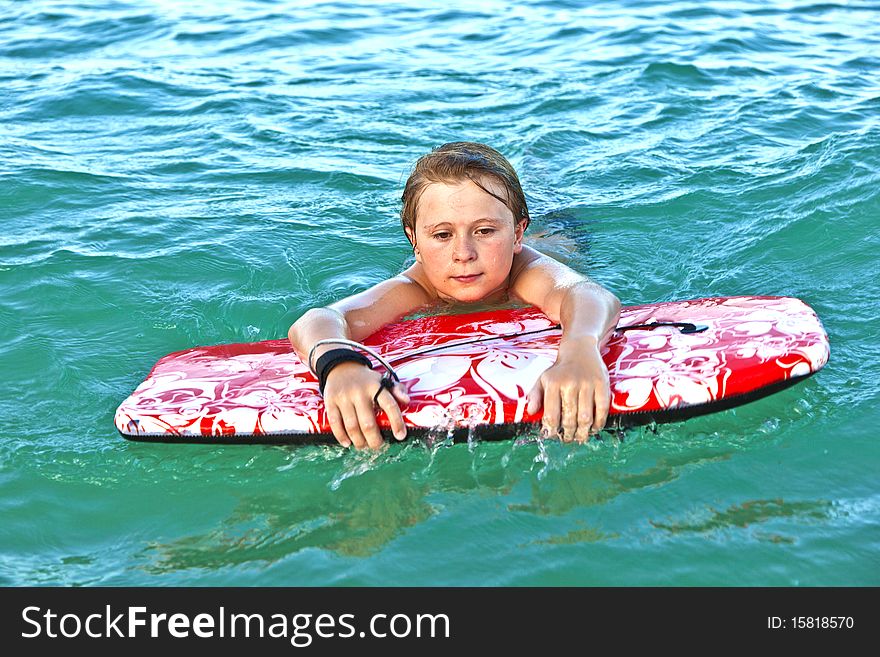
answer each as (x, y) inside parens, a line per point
(180, 174)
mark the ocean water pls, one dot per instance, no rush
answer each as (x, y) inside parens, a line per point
(180, 174)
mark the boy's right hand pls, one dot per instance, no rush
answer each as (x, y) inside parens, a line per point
(348, 400)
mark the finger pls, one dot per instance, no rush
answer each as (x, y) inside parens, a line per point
(400, 394)
(550, 422)
(584, 415)
(337, 427)
(569, 413)
(353, 428)
(535, 398)
(388, 403)
(603, 404)
(366, 415)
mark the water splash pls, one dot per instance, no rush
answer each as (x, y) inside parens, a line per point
(356, 463)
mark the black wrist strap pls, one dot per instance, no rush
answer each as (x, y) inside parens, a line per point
(334, 357)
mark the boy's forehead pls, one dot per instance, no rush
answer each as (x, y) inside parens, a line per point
(442, 200)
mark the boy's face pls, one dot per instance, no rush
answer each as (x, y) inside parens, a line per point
(465, 239)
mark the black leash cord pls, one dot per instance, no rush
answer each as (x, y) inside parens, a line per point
(684, 327)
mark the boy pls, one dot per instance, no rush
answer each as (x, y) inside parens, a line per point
(464, 213)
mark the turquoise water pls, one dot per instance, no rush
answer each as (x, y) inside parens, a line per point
(180, 174)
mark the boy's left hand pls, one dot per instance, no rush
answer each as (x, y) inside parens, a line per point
(575, 393)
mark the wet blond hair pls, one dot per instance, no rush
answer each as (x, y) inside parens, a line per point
(457, 161)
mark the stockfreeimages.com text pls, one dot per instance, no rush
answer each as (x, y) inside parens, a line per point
(300, 629)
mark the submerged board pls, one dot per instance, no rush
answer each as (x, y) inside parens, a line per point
(743, 348)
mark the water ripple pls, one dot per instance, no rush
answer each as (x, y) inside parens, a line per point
(174, 174)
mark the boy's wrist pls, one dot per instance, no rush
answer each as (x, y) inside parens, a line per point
(577, 344)
(332, 358)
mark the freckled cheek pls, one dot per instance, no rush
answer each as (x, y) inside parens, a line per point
(497, 255)
(431, 253)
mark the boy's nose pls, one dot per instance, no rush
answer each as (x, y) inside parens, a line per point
(463, 250)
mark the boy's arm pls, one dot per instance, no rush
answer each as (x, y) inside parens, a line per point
(351, 387)
(575, 391)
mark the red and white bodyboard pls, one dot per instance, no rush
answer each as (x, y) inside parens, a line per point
(263, 392)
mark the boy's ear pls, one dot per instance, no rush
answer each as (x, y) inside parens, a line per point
(518, 232)
(412, 240)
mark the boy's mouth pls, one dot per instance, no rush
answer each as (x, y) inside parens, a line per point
(466, 279)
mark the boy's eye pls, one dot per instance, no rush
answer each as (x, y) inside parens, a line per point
(442, 235)
(485, 231)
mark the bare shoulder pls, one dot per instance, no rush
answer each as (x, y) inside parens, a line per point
(368, 311)
(530, 264)
(536, 276)
(415, 275)
(522, 261)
